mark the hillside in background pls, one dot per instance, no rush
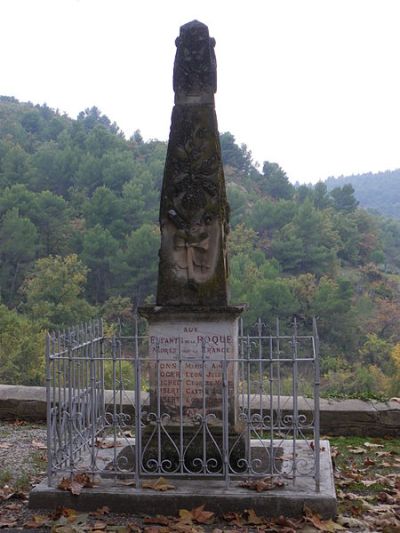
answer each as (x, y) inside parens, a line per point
(379, 191)
(79, 238)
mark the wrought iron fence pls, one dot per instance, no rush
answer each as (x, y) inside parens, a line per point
(116, 411)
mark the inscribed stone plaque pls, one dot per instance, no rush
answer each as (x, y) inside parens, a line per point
(193, 358)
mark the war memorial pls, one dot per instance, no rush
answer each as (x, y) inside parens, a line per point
(193, 400)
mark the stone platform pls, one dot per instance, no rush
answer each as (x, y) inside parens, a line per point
(288, 500)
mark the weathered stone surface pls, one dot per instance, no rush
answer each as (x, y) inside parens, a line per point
(25, 403)
(195, 68)
(194, 212)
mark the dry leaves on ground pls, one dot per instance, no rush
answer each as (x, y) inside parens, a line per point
(105, 444)
(76, 483)
(160, 484)
(261, 485)
(322, 525)
(39, 445)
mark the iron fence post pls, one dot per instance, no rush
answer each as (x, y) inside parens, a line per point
(138, 409)
(48, 413)
(317, 380)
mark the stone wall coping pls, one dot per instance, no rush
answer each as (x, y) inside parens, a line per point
(33, 393)
(338, 417)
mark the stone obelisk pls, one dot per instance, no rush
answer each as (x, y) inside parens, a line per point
(192, 320)
(194, 212)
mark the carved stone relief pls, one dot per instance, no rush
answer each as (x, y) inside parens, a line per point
(193, 209)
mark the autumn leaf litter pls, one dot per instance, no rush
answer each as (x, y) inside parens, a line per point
(367, 476)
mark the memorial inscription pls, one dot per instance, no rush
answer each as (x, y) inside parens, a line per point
(192, 362)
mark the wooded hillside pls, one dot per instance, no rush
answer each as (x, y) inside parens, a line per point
(79, 238)
(378, 191)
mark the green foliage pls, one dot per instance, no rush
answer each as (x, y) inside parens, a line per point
(378, 192)
(54, 292)
(275, 183)
(21, 349)
(308, 243)
(79, 236)
(233, 155)
(99, 248)
(343, 198)
(136, 265)
(18, 247)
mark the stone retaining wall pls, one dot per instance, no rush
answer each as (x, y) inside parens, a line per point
(338, 417)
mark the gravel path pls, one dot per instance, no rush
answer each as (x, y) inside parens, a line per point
(22, 451)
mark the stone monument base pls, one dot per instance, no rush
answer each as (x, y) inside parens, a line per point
(287, 500)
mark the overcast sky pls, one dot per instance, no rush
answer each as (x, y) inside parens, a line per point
(313, 85)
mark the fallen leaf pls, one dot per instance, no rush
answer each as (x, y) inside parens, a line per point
(335, 452)
(64, 484)
(261, 485)
(39, 445)
(7, 522)
(328, 526)
(357, 450)
(99, 526)
(344, 482)
(372, 445)
(128, 482)
(13, 506)
(160, 484)
(5, 445)
(201, 516)
(383, 453)
(63, 529)
(349, 521)
(6, 493)
(286, 522)
(35, 522)
(185, 515)
(105, 444)
(384, 497)
(159, 519)
(75, 488)
(85, 480)
(234, 518)
(252, 519)
(369, 462)
(368, 482)
(312, 446)
(133, 527)
(76, 484)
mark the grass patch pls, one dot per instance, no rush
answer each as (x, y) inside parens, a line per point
(5, 477)
(365, 466)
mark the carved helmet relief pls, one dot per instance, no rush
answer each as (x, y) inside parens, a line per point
(193, 210)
